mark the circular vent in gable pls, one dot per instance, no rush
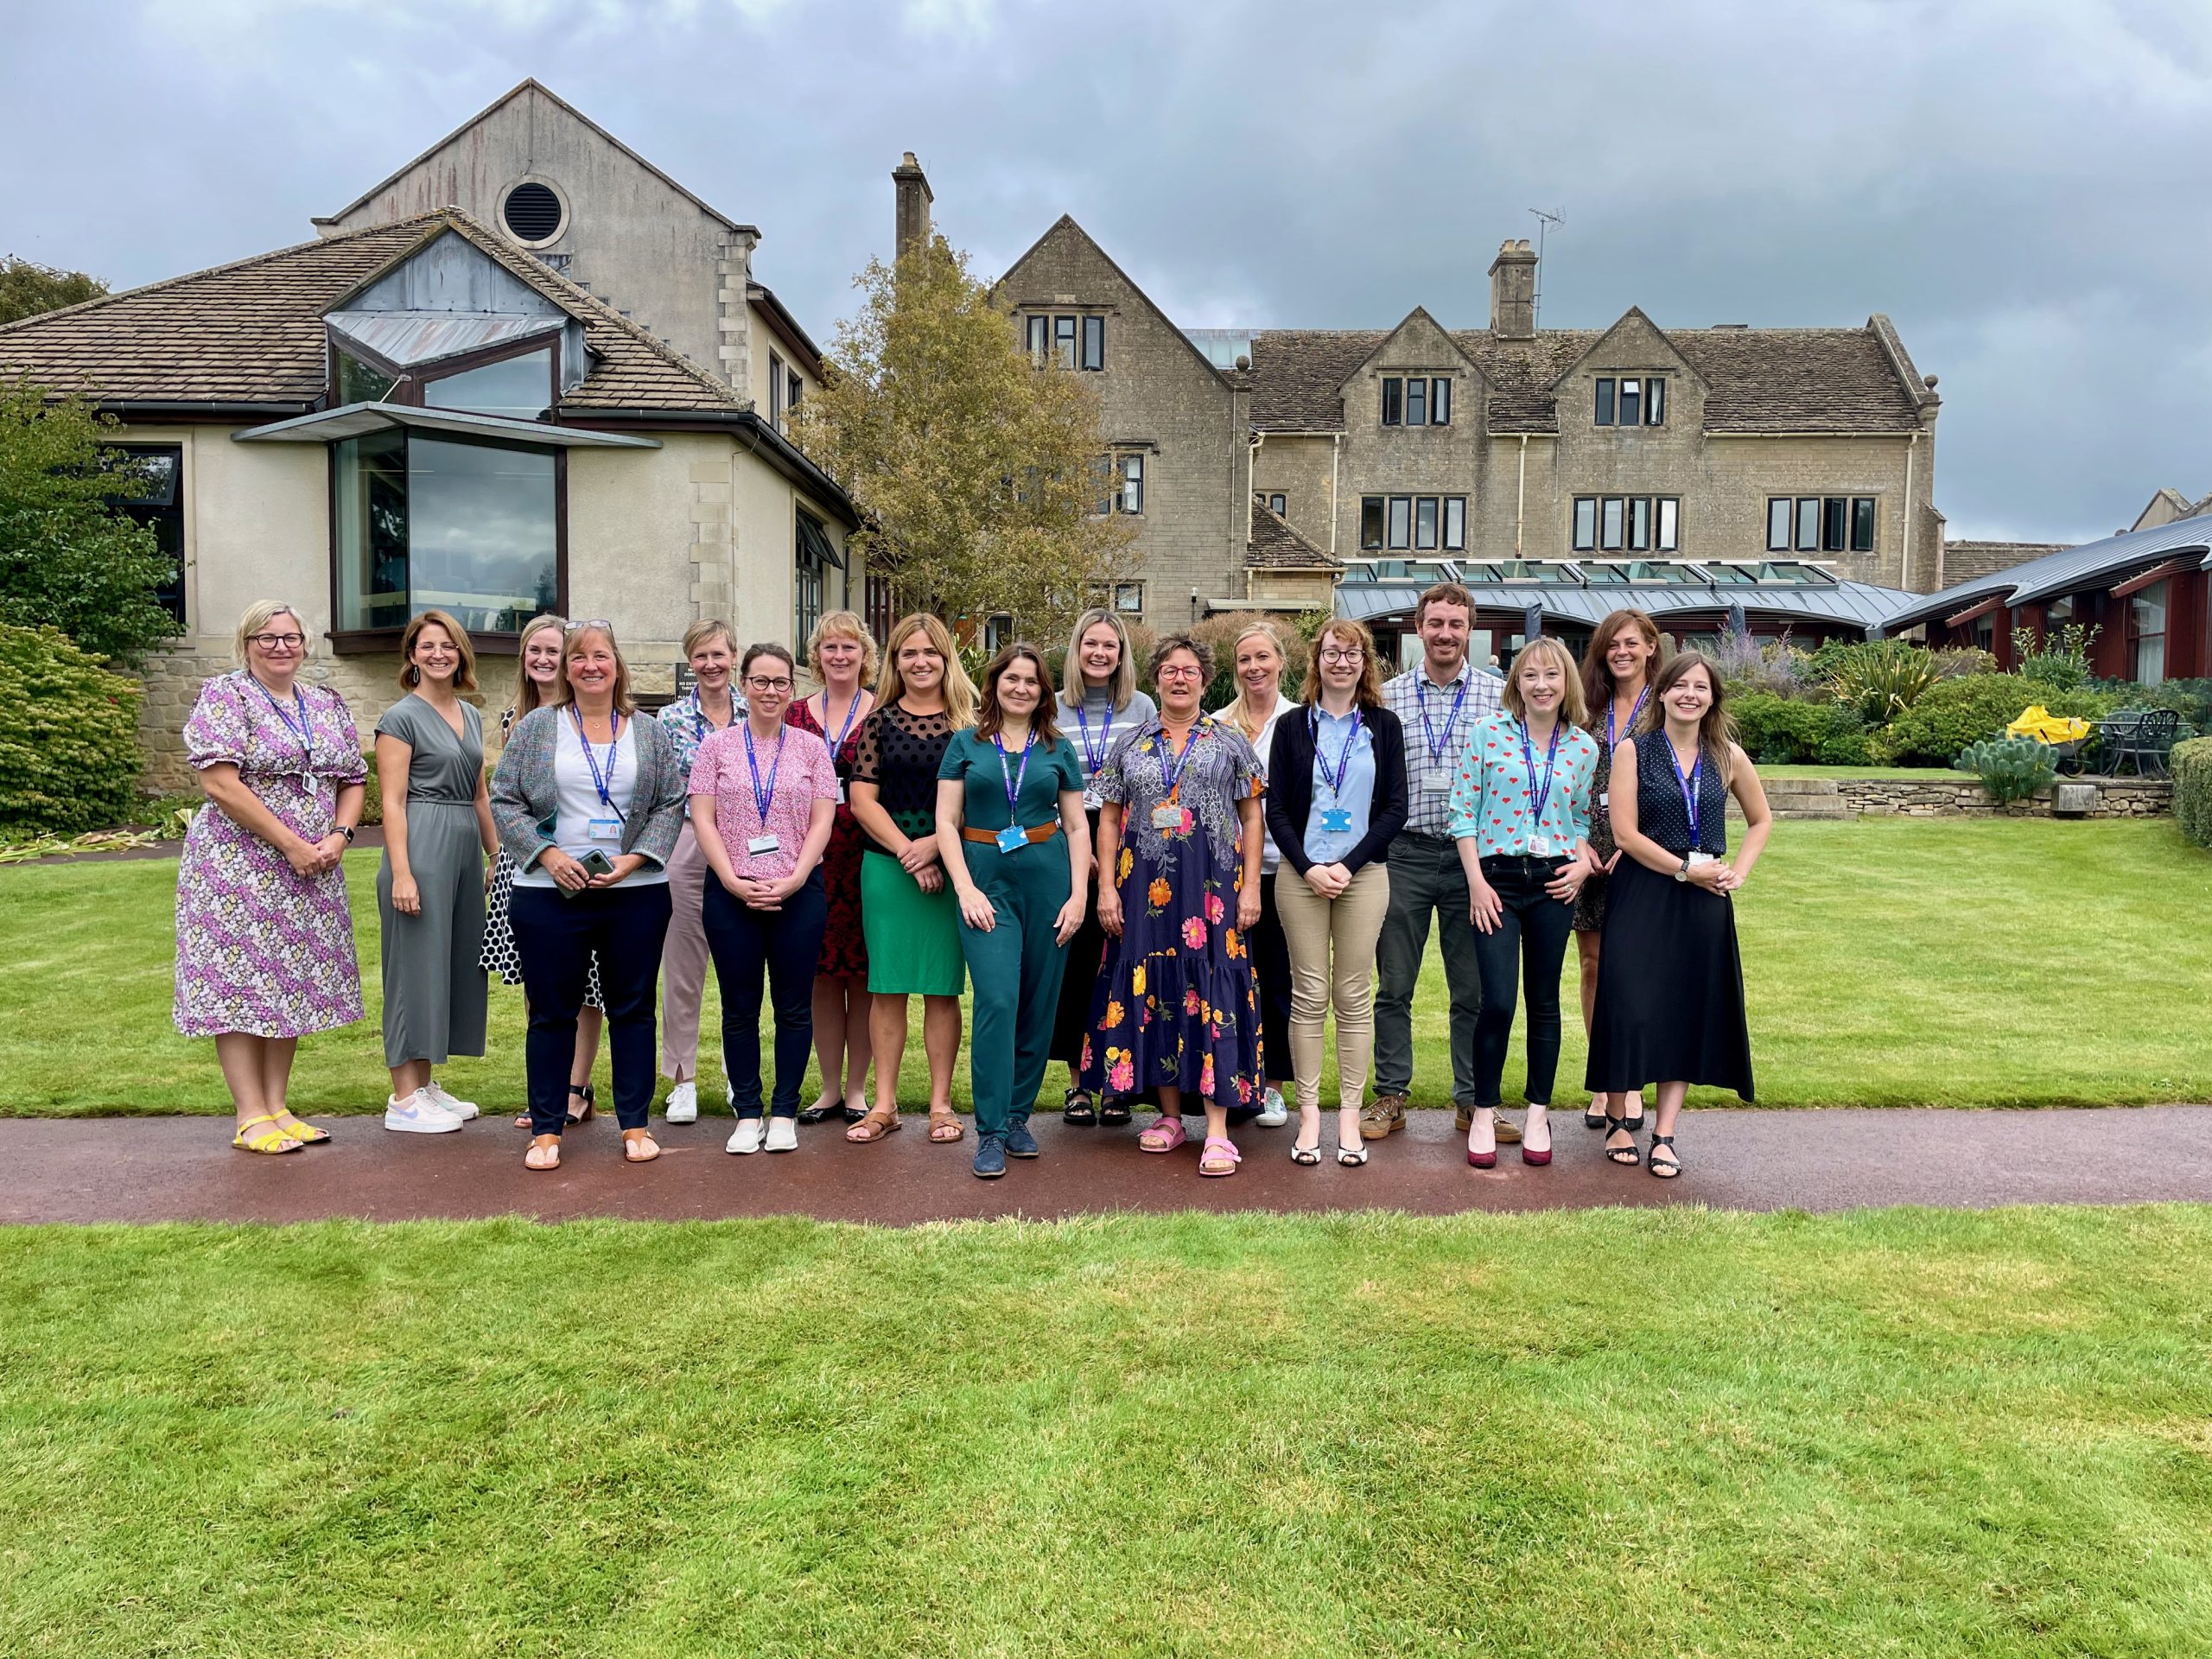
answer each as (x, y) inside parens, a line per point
(533, 212)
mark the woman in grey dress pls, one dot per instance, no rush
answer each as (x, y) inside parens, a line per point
(437, 831)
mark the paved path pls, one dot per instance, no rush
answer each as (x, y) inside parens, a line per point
(182, 1169)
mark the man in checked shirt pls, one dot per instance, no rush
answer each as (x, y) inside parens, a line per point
(1438, 703)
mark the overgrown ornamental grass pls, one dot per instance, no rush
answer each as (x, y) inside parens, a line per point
(1890, 962)
(1613, 1433)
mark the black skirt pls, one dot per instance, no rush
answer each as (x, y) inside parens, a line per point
(1670, 989)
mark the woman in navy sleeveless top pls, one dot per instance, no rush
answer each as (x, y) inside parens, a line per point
(1670, 1000)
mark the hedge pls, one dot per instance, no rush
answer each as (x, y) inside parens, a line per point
(2192, 769)
(1953, 714)
(1786, 731)
(69, 757)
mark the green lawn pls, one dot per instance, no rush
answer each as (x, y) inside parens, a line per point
(1889, 961)
(1609, 1433)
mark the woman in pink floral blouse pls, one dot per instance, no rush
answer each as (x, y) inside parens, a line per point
(264, 939)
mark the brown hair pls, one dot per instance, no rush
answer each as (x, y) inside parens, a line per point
(464, 676)
(1444, 593)
(1570, 705)
(1598, 687)
(1716, 732)
(753, 653)
(987, 716)
(527, 695)
(959, 689)
(1368, 694)
(1174, 643)
(624, 703)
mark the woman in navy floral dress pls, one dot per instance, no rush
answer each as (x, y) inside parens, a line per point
(1177, 1012)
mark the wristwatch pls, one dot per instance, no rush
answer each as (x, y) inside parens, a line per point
(346, 830)
(1683, 875)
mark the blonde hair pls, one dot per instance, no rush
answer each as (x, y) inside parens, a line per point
(1368, 694)
(573, 636)
(464, 677)
(1571, 707)
(528, 696)
(706, 628)
(959, 689)
(258, 615)
(1236, 713)
(1124, 685)
(841, 624)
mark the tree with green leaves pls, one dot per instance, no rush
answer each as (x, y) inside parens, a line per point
(67, 559)
(27, 288)
(982, 475)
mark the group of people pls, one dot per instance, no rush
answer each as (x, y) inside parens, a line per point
(1106, 872)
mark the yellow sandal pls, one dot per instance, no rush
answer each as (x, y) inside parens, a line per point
(306, 1134)
(270, 1140)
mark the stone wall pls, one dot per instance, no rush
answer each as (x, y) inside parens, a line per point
(2116, 797)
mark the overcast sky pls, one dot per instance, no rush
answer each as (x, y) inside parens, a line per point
(2021, 185)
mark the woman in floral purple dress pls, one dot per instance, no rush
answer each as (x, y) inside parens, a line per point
(264, 939)
(1176, 1011)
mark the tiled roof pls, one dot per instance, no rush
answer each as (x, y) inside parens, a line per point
(1757, 379)
(1276, 545)
(2070, 570)
(252, 332)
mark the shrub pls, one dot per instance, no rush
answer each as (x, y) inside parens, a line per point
(2010, 768)
(2192, 768)
(1882, 678)
(69, 758)
(1780, 731)
(1777, 666)
(2062, 662)
(1952, 714)
(2191, 699)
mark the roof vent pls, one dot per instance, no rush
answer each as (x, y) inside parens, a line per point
(1732, 325)
(532, 212)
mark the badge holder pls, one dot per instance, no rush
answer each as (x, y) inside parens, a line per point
(1012, 838)
(761, 844)
(1167, 816)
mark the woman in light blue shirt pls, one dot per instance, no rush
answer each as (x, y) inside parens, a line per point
(1520, 813)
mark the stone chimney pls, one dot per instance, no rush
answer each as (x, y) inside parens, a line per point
(911, 188)
(1513, 291)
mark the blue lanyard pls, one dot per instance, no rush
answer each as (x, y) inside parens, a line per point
(1092, 758)
(1538, 796)
(1438, 745)
(1612, 738)
(602, 783)
(1689, 784)
(1013, 780)
(305, 730)
(1170, 780)
(762, 797)
(1334, 779)
(699, 727)
(852, 711)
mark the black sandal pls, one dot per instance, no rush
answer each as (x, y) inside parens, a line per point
(1114, 1114)
(1594, 1119)
(584, 1091)
(1672, 1167)
(1077, 1109)
(1628, 1155)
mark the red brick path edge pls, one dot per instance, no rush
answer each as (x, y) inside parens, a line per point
(183, 1168)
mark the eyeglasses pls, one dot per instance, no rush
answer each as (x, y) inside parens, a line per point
(599, 622)
(1193, 673)
(1351, 655)
(279, 641)
(756, 684)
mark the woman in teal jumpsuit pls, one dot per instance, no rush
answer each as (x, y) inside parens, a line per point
(1011, 830)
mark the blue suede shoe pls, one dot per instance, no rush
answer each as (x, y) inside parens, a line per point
(1019, 1143)
(990, 1157)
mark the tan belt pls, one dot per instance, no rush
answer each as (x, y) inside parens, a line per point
(1042, 832)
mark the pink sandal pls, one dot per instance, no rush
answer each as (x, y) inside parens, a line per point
(1163, 1135)
(1211, 1156)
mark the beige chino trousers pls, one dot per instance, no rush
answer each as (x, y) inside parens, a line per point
(1332, 961)
(684, 959)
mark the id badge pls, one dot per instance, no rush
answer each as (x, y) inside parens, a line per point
(840, 792)
(604, 829)
(1012, 838)
(1436, 780)
(1092, 800)
(1167, 816)
(1604, 799)
(760, 844)
(1540, 845)
(1697, 859)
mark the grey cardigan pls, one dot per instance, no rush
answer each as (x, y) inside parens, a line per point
(525, 801)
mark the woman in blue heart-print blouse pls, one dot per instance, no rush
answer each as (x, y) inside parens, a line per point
(1521, 813)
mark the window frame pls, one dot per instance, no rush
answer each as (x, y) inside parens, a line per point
(1372, 512)
(1440, 400)
(1629, 410)
(1278, 503)
(1064, 341)
(1654, 400)
(142, 510)
(1129, 464)
(1394, 400)
(1092, 332)
(1122, 593)
(1416, 400)
(1455, 523)
(1644, 525)
(804, 622)
(1606, 407)
(1398, 524)
(1038, 338)
(1583, 533)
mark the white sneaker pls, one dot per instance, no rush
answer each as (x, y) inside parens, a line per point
(1273, 1111)
(782, 1135)
(463, 1109)
(747, 1138)
(418, 1115)
(683, 1103)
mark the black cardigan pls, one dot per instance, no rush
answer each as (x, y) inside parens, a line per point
(1290, 789)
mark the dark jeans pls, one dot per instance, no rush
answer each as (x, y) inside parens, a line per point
(555, 938)
(786, 943)
(1426, 878)
(1531, 937)
(1271, 969)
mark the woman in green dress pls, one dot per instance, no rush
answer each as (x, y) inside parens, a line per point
(1012, 832)
(437, 834)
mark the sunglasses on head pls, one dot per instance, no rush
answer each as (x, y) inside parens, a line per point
(599, 622)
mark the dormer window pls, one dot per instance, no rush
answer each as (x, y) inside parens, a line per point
(1416, 400)
(521, 388)
(1631, 400)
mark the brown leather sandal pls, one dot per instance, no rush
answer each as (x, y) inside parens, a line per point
(873, 1126)
(638, 1146)
(940, 1121)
